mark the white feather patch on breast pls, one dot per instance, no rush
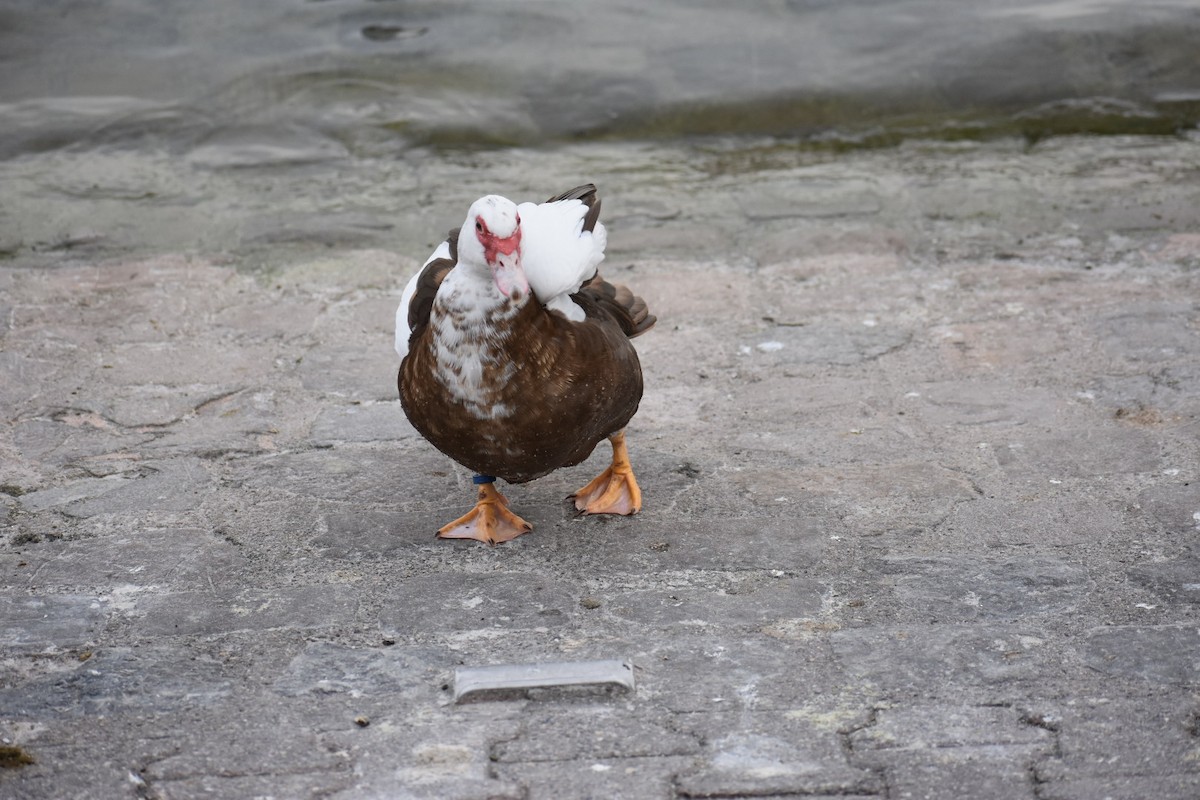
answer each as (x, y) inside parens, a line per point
(467, 353)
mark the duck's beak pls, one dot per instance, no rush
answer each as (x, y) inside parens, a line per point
(504, 259)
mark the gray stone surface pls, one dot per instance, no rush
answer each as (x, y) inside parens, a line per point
(922, 499)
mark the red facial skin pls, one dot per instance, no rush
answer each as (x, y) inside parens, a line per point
(493, 246)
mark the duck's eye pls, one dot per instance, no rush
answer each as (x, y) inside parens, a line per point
(479, 226)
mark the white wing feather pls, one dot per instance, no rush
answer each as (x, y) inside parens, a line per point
(557, 254)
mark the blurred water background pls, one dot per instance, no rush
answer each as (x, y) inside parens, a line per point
(143, 124)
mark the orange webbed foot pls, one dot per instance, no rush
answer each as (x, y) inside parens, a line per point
(489, 521)
(614, 491)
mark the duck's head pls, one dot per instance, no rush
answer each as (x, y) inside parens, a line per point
(491, 237)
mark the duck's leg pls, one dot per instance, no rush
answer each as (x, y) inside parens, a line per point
(489, 521)
(614, 491)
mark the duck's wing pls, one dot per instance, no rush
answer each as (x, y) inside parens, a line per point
(562, 243)
(412, 315)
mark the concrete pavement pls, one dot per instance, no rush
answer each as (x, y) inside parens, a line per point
(920, 463)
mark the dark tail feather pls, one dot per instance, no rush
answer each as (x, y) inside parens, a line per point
(629, 310)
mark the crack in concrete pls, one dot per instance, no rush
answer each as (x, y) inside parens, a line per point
(1037, 764)
(845, 734)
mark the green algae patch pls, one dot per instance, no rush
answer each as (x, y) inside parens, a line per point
(14, 757)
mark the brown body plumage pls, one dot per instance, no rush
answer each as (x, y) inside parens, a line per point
(575, 384)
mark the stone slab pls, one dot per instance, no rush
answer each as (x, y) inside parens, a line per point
(1159, 654)
(50, 622)
(251, 609)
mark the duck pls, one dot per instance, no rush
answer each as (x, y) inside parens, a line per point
(517, 359)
